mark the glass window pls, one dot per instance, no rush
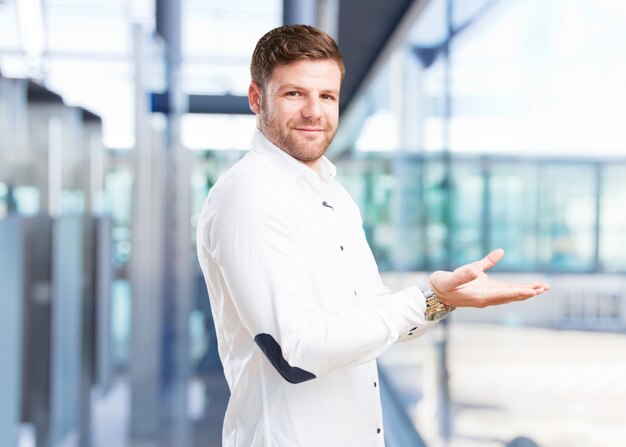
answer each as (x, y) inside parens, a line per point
(436, 222)
(199, 131)
(513, 190)
(567, 217)
(526, 79)
(9, 31)
(466, 222)
(119, 198)
(218, 39)
(613, 219)
(408, 213)
(27, 200)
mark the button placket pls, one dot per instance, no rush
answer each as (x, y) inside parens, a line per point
(329, 205)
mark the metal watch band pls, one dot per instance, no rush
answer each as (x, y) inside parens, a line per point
(435, 309)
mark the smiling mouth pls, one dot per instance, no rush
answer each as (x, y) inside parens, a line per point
(303, 129)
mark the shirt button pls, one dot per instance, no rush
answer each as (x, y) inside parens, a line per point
(375, 384)
(355, 293)
(378, 430)
(341, 246)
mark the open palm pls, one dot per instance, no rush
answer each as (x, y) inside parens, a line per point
(470, 286)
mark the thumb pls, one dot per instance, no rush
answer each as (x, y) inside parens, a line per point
(442, 281)
(491, 259)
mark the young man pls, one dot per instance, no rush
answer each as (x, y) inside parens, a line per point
(300, 310)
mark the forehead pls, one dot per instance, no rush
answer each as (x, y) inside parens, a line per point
(314, 72)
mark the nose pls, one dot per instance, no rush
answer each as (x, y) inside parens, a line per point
(312, 108)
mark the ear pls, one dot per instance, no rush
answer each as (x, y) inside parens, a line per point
(254, 97)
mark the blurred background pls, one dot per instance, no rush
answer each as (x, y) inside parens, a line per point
(466, 125)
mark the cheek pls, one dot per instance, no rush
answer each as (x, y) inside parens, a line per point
(332, 115)
(331, 111)
(287, 112)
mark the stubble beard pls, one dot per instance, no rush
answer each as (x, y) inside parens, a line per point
(298, 146)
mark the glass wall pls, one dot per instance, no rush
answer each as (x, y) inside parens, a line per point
(501, 125)
(507, 132)
(612, 234)
(513, 200)
(567, 217)
(548, 216)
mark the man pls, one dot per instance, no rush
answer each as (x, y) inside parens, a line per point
(300, 310)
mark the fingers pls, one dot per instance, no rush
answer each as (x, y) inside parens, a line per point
(487, 292)
(538, 287)
(515, 292)
(478, 289)
(503, 297)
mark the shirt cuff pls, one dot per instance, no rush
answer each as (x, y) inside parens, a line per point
(418, 325)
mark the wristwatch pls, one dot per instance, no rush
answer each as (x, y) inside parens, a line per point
(435, 309)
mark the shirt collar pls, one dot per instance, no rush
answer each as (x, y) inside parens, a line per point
(287, 164)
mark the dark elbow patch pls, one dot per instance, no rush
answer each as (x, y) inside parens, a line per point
(274, 354)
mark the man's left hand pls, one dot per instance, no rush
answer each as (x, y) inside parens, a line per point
(469, 285)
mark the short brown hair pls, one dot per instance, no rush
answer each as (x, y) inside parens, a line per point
(290, 43)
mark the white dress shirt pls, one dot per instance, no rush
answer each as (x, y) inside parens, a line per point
(300, 311)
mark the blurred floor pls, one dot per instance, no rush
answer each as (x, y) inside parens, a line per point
(560, 388)
(111, 415)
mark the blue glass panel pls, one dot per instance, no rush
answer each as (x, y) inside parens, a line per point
(11, 265)
(567, 211)
(66, 326)
(613, 219)
(466, 222)
(513, 213)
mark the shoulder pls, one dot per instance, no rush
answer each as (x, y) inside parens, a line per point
(249, 194)
(248, 202)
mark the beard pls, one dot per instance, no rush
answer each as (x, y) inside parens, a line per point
(304, 148)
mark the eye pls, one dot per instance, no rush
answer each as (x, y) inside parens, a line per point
(328, 97)
(292, 93)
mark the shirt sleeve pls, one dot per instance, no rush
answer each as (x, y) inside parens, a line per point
(254, 239)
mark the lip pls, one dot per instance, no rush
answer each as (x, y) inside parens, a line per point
(306, 129)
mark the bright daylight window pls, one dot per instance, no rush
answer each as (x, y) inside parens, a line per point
(83, 51)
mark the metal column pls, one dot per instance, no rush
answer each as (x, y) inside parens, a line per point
(162, 251)
(177, 239)
(145, 272)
